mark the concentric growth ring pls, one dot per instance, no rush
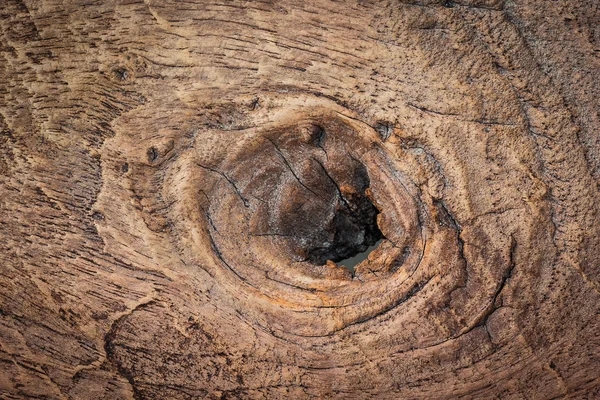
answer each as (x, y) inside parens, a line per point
(286, 198)
(260, 213)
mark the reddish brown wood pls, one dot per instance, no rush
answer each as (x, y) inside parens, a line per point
(178, 180)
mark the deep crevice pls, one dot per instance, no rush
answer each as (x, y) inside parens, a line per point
(340, 221)
(356, 234)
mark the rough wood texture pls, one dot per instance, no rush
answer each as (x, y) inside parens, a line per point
(175, 176)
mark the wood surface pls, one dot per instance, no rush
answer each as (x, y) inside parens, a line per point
(180, 179)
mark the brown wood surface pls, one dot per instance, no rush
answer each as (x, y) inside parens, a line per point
(176, 178)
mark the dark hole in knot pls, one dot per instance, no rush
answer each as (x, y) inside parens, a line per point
(355, 233)
(323, 209)
(350, 227)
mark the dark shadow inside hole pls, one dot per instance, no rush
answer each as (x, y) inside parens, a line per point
(329, 215)
(355, 234)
